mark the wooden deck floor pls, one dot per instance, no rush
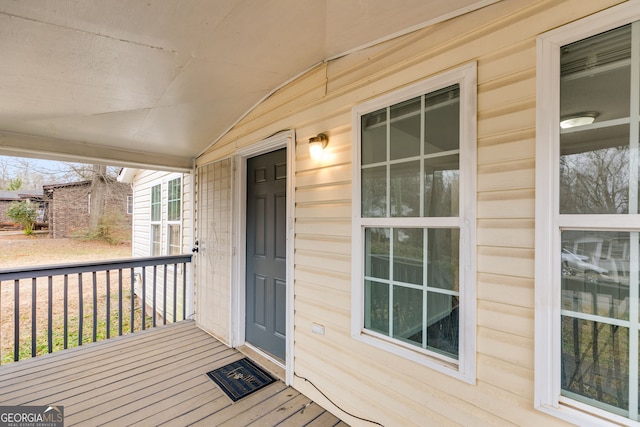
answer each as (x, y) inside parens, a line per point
(155, 377)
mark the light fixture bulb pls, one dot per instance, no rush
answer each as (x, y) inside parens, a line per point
(317, 144)
(581, 119)
(315, 149)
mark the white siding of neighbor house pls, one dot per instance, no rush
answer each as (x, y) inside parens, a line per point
(359, 378)
(141, 233)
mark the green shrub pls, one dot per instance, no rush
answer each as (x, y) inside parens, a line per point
(23, 213)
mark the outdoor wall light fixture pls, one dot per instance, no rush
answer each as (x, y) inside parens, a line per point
(317, 144)
(580, 119)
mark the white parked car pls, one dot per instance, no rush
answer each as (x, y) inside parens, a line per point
(573, 264)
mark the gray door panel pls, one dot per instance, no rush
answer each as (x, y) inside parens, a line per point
(266, 252)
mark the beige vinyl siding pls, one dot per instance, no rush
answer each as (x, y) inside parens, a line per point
(141, 244)
(142, 212)
(213, 261)
(367, 381)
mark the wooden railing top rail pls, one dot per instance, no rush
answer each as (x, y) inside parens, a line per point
(90, 266)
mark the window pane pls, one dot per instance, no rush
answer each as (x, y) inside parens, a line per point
(595, 181)
(374, 137)
(405, 189)
(595, 76)
(377, 252)
(407, 314)
(443, 249)
(442, 324)
(405, 129)
(595, 363)
(174, 211)
(174, 240)
(374, 192)
(595, 272)
(174, 201)
(408, 255)
(155, 240)
(442, 186)
(376, 307)
(595, 161)
(155, 203)
(442, 120)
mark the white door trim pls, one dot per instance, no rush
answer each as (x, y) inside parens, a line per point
(286, 140)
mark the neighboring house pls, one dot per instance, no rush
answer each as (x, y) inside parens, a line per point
(419, 257)
(161, 223)
(71, 206)
(9, 197)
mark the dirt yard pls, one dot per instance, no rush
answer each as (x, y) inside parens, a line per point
(18, 250)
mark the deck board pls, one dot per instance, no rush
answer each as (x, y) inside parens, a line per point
(154, 377)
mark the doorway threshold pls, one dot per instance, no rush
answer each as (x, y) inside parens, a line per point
(274, 366)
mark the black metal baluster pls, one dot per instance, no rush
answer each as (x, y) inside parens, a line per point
(144, 297)
(175, 291)
(80, 309)
(50, 319)
(184, 291)
(34, 317)
(66, 311)
(164, 297)
(108, 302)
(16, 320)
(155, 280)
(133, 294)
(120, 310)
(95, 306)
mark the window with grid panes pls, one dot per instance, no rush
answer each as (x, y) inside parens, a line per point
(413, 216)
(593, 232)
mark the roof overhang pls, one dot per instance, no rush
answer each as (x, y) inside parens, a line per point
(152, 84)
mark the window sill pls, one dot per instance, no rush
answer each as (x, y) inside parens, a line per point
(579, 417)
(415, 355)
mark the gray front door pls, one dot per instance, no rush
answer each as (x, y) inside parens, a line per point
(266, 252)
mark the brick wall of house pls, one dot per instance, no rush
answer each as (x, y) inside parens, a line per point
(70, 204)
(68, 210)
(116, 206)
(4, 205)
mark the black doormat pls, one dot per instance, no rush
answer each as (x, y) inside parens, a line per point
(241, 378)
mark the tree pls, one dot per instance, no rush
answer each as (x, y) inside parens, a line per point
(15, 184)
(35, 173)
(595, 182)
(98, 196)
(25, 214)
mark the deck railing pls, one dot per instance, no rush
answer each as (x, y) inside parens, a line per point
(72, 304)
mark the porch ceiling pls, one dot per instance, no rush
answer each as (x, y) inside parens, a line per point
(153, 83)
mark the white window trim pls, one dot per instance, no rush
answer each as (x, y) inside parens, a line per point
(547, 235)
(465, 368)
(152, 222)
(177, 222)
